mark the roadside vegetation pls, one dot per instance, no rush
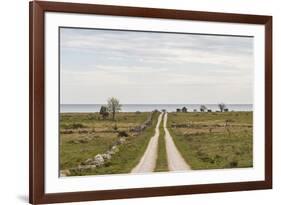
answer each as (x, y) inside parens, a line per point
(85, 135)
(213, 140)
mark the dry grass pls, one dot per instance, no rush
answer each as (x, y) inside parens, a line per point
(214, 140)
(95, 135)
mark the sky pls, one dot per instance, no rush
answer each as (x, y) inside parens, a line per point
(154, 68)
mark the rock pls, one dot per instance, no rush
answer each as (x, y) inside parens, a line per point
(91, 166)
(115, 149)
(122, 140)
(99, 161)
(89, 161)
(80, 167)
(83, 167)
(106, 156)
(73, 142)
(64, 173)
(88, 167)
(110, 152)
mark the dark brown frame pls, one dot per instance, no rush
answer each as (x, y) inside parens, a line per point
(36, 99)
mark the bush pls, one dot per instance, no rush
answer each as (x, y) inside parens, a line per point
(233, 164)
(66, 132)
(123, 134)
(74, 126)
(83, 131)
(104, 112)
(115, 127)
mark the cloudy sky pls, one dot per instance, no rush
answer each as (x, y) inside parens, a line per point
(151, 67)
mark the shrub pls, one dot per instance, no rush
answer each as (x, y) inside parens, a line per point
(104, 112)
(83, 131)
(233, 164)
(115, 127)
(74, 126)
(66, 132)
(123, 134)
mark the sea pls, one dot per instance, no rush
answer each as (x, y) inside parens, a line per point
(83, 108)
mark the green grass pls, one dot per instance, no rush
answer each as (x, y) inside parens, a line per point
(94, 121)
(77, 148)
(161, 163)
(84, 135)
(213, 140)
(129, 155)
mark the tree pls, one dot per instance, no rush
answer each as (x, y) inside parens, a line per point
(203, 108)
(113, 106)
(221, 106)
(184, 109)
(104, 112)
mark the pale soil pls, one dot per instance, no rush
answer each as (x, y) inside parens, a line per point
(175, 160)
(148, 160)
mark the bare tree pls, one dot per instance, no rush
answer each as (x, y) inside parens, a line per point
(203, 108)
(222, 106)
(113, 106)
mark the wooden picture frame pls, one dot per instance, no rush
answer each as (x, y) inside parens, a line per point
(37, 153)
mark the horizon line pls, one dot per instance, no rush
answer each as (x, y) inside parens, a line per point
(158, 103)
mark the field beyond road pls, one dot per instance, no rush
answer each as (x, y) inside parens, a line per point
(213, 140)
(92, 145)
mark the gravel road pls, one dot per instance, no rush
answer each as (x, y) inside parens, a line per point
(148, 160)
(175, 160)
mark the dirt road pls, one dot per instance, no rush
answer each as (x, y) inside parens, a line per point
(175, 160)
(148, 160)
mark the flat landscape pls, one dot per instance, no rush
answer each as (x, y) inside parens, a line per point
(140, 142)
(86, 135)
(146, 101)
(214, 140)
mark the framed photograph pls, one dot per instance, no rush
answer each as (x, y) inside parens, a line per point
(139, 102)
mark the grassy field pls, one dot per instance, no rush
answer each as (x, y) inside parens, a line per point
(161, 163)
(213, 140)
(84, 135)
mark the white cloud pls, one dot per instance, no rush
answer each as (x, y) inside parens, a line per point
(148, 62)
